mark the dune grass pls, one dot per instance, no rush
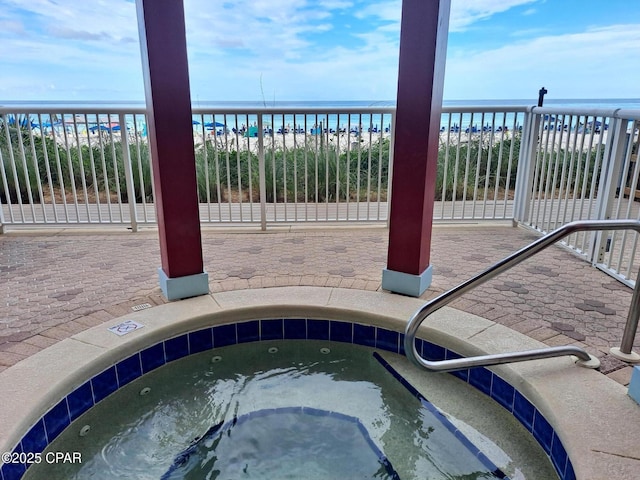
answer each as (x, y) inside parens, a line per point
(314, 172)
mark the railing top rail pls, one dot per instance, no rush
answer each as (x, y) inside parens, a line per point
(136, 108)
(628, 114)
(92, 109)
(290, 110)
(584, 111)
(70, 109)
(497, 268)
(485, 109)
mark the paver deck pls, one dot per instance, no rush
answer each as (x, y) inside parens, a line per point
(55, 283)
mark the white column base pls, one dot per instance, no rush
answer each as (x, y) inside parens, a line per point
(406, 283)
(183, 287)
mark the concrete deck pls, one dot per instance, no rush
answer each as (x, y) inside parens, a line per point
(56, 283)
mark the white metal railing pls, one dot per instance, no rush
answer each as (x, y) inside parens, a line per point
(579, 164)
(85, 166)
(478, 159)
(82, 166)
(62, 167)
(293, 165)
(542, 167)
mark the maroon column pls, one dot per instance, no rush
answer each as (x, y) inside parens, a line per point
(166, 75)
(423, 45)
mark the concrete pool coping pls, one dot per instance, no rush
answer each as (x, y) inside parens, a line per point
(598, 423)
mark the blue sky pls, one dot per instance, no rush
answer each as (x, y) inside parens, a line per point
(322, 49)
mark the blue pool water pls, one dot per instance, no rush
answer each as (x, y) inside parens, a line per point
(276, 409)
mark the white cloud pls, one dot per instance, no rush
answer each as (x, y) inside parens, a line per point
(390, 11)
(465, 13)
(600, 62)
(116, 17)
(91, 50)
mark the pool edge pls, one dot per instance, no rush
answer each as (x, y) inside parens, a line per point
(590, 412)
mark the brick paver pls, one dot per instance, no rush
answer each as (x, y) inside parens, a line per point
(53, 285)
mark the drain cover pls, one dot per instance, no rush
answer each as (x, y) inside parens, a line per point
(142, 306)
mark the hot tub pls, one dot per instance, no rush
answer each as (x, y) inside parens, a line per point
(63, 383)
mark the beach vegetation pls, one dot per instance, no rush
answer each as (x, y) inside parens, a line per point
(38, 168)
(477, 169)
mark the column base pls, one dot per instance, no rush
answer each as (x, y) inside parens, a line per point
(183, 287)
(406, 283)
(634, 385)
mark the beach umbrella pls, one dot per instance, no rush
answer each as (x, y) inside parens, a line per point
(195, 122)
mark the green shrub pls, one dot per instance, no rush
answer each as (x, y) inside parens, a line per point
(313, 171)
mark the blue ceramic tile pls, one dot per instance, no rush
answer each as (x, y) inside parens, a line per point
(558, 456)
(152, 357)
(295, 328)
(80, 400)
(461, 374)
(176, 348)
(104, 384)
(542, 431)
(317, 329)
(502, 392)
(364, 335)
(388, 340)
(272, 329)
(490, 465)
(569, 474)
(470, 447)
(200, 340)
(224, 335)
(128, 370)
(13, 471)
(341, 331)
(248, 331)
(402, 380)
(418, 341)
(35, 441)
(481, 379)
(433, 352)
(56, 420)
(523, 410)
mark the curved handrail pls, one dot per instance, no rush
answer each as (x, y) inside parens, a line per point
(499, 267)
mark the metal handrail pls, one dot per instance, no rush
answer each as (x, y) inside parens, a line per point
(499, 267)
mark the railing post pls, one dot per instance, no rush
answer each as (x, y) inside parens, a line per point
(392, 136)
(128, 172)
(625, 352)
(526, 166)
(610, 184)
(261, 173)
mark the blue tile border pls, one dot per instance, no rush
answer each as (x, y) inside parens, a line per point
(91, 392)
(462, 438)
